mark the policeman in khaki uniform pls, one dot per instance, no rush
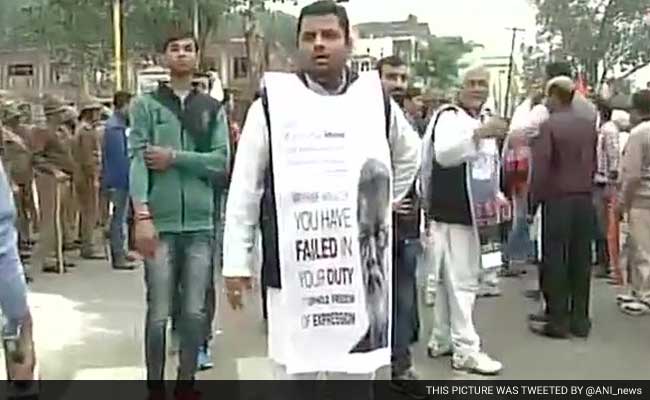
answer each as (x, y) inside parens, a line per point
(54, 168)
(17, 160)
(70, 201)
(87, 153)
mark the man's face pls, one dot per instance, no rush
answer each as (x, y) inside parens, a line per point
(395, 80)
(181, 56)
(125, 108)
(475, 90)
(322, 46)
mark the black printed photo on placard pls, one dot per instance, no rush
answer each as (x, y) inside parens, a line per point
(373, 218)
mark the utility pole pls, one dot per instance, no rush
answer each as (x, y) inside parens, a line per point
(195, 20)
(117, 36)
(511, 63)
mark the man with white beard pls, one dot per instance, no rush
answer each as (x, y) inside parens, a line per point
(461, 144)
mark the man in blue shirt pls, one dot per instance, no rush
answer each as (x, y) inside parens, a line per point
(13, 289)
(115, 177)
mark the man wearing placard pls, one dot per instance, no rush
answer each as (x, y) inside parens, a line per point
(312, 149)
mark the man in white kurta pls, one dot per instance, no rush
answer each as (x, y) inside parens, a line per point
(360, 123)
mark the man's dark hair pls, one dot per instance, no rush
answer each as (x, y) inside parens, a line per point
(604, 109)
(565, 96)
(641, 102)
(325, 7)
(393, 61)
(556, 69)
(121, 98)
(176, 35)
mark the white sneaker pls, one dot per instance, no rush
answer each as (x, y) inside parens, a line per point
(477, 363)
(625, 298)
(635, 308)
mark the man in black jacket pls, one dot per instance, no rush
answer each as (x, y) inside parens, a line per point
(406, 244)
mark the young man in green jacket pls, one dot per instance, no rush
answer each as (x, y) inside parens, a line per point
(178, 149)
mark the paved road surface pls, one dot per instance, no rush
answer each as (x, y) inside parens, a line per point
(89, 325)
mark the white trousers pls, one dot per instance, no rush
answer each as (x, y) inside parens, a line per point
(457, 260)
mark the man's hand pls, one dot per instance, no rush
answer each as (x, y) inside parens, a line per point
(404, 207)
(495, 127)
(158, 158)
(235, 288)
(146, 238)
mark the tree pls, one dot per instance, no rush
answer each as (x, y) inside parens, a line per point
(598, 35)
(250, 11)
(75, 32)
(149, 21)
(440, 61)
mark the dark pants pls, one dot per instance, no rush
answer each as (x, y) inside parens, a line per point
(406, 321)
(567, 231)
(600, 230)
(120, 200)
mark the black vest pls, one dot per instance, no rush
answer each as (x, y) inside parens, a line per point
(448, 199)
(268, 216)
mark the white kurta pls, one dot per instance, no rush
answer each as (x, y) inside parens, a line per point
(243, 208)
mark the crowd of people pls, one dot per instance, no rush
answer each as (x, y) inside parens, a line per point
(399, 184)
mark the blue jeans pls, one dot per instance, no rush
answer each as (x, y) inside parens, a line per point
(182, 260)
(406, 321)
(520, 247)
(13, 296)
(120, 200)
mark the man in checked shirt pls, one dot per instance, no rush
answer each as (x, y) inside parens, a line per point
(610, 158)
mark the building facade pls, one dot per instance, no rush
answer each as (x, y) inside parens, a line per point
(375, 40)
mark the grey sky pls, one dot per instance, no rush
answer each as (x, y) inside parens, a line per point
(483, 21)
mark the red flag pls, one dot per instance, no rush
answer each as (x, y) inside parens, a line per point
(581, 85)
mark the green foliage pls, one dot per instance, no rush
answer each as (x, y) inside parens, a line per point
(594, 31)
(439, 63)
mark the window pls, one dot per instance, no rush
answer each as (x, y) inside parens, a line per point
(240, 67)
(20, 70)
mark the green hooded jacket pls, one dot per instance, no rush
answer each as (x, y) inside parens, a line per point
(182, 198)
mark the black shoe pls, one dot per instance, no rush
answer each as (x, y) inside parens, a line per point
(512, 272)
(128, 267)
(533, 294)
(51, 270)
(71, 246)
(540, 318)
(409, 384)
(548, 330)
(581, 330)
(602, 275)
(124, 265)
(93, 256)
